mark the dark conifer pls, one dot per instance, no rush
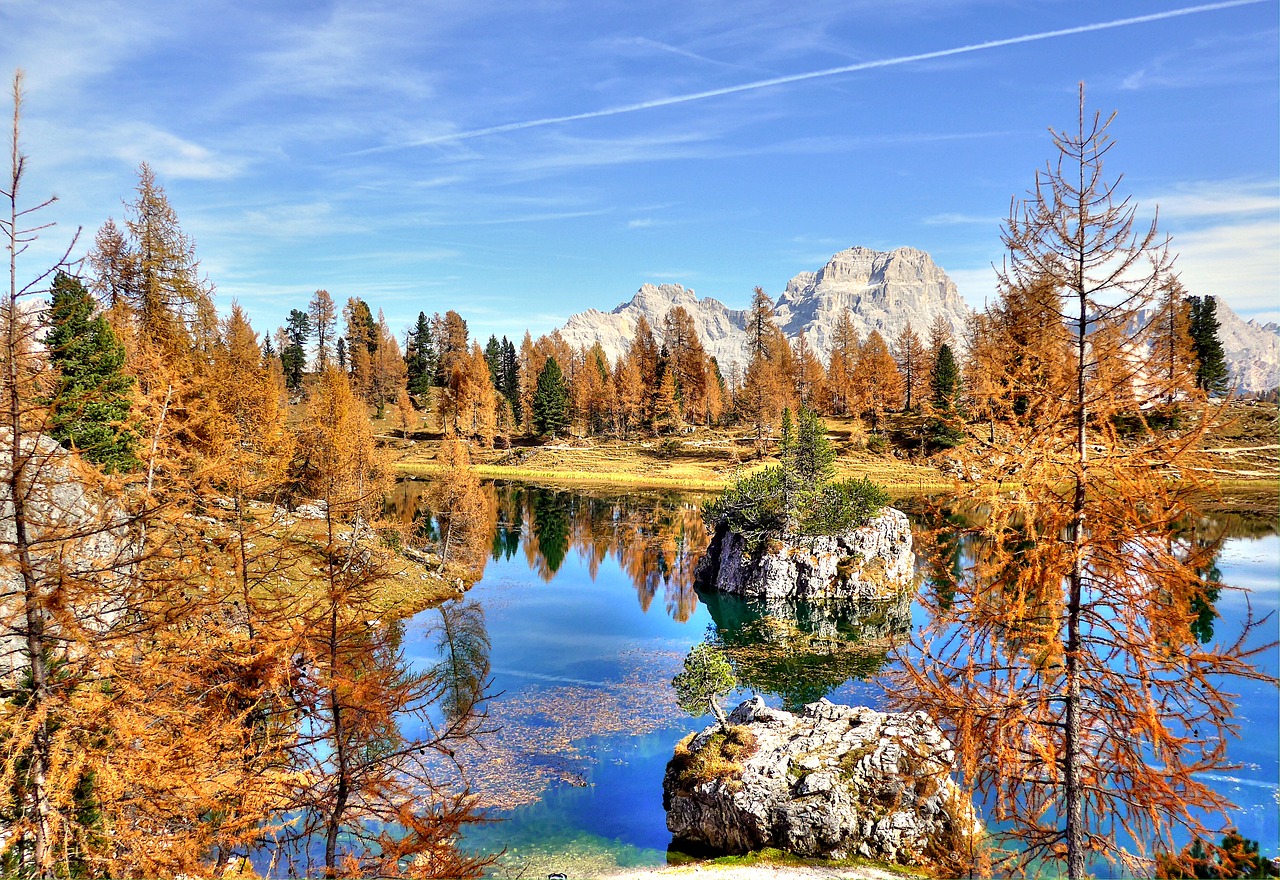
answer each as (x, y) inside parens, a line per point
(946, 379)
(293, 359)
(420, 356)
(1212, 376)
(551, 400)
(493, 357)
(510, 386)
(89, 406)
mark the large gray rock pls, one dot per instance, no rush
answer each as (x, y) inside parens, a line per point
(830, 782)
(84, 549)
(865, 564)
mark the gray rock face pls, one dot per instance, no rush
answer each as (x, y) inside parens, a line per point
(94, 552)
(867, 563)
(880, 290)
(721, 330)
(1252, 350)
(832, 782)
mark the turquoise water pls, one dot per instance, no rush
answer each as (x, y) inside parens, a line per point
(589, 609)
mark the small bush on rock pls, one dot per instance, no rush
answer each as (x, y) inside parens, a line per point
(796, 497)
(720, 759)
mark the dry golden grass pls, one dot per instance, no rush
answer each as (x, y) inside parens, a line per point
(1243, 443)
(287, 563)
(704, 460)
(1243, 446)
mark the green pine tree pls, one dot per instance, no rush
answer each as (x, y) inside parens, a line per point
(511, 378)
(493, 357)
(551, 400)
(420, 356)
(1211, 373)
(946, 379)
(91, 398)
(814, 459)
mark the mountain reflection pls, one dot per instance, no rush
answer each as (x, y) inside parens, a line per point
(655, 537)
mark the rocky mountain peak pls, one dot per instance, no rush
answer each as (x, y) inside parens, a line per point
(881, 290)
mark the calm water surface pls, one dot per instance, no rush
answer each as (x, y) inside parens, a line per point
(589, 607)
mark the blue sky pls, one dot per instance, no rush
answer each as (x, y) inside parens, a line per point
(521, 161)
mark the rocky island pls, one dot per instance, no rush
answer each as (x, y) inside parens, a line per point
(830, 781)
(866, 563)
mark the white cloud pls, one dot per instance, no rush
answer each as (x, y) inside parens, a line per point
(172, 157)
(977, 286)
(1216, 198)
(1237, 262)
(961, 220)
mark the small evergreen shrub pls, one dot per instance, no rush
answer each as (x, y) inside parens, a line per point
(842, 505)
(796, 497)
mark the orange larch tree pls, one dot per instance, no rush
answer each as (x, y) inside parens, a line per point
(843, 390)
(912, 359)
(878, 378)
(1062, 653)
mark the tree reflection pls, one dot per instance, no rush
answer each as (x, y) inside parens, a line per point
(462, 672)
(656, 538)
(801, 650)
(549, 513)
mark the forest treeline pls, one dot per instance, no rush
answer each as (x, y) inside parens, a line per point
(665, 381)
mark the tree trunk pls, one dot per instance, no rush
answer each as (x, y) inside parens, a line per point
(721, 719)
(339, 807)
(19, 462)
(1073, 794)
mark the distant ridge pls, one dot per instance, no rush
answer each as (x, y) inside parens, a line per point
(882, 291)
(1252, 350)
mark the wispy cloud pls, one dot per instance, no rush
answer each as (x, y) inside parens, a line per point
(811, 75)
(977, 286)
(960, 220)
(1217, 198)
(520, 218)
(1220, 60)
(644, 43)
(1239, 262)
(173, 157)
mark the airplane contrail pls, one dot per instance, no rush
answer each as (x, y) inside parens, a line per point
(813, 74)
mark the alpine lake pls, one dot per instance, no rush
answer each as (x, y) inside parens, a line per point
(586, 609)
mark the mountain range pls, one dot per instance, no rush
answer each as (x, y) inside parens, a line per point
(881, 290)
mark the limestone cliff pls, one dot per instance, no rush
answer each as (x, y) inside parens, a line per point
(881, 290)
(86, 550)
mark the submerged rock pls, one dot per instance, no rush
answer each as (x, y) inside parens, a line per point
(870, 562)
(829, 782)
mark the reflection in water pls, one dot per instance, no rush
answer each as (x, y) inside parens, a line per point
(1036, 661)
(656, 537)
(462, 643)
(585, 719)
(803, 650)
(959, 545)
